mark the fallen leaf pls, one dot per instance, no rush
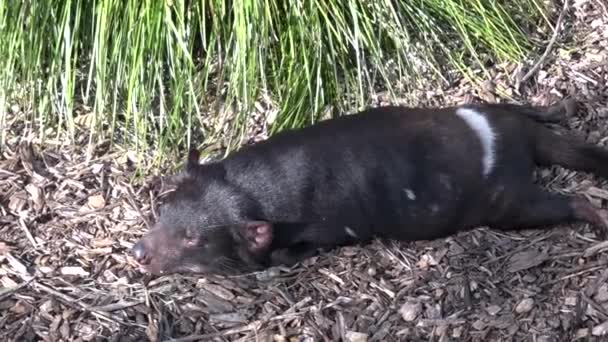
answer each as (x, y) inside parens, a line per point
(525, 305)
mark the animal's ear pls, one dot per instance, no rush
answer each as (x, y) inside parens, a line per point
(256, 235)
(193, 159)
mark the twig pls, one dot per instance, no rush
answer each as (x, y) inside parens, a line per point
(598, 308)
(556, 31)
(131, 199)
(5, 291)
(598, 247)
(27, 232)
(121, 305)
(80, 305)
(602, 6)
(255, 325)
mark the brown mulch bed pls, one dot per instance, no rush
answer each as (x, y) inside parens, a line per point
(68, 222)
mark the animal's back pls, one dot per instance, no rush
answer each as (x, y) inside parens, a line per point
(391, 169)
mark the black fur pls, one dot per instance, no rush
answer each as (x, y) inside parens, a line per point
(390, 172)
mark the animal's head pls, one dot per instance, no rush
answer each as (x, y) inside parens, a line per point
(206, 225)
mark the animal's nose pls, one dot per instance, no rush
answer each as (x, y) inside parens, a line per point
(140, 254)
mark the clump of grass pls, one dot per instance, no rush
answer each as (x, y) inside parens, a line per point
(149, 73)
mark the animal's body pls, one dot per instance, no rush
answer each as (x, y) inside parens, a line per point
(389, 172)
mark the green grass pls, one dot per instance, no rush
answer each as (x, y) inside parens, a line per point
(150, 74)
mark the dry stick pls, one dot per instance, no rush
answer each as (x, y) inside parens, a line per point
(598, 308)
(536, 66)
(68, 300)
(255, 325)
(131, 199)
(5, 291)
(27, 232)
(602, 6)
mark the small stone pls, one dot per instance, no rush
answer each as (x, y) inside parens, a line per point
(353, 336)
(457, 332)
(529, 278)
(438, 293)
(371, 271)
(493, 309)
(96, 202)
(479, 325)
(525, 305)
(594, 137)
(410, 310)
(602, 293)
(279, 338)
(554, 323)
(441, 330)
(570, 301)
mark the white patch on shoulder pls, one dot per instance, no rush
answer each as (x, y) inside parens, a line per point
(350, 232)
(479, 123)
(410, 194)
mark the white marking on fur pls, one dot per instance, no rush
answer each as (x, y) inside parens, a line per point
(434, 208)
(350, 232)
(479, 123)
(410, 194)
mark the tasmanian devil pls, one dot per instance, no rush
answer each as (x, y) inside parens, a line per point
(389, 172)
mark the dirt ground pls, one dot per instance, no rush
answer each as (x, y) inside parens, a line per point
(67, 224)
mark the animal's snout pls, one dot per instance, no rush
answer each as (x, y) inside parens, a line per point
(141, 253)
